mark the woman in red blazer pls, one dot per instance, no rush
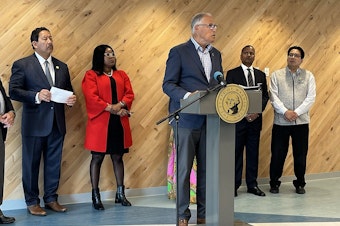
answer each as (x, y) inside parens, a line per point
(108, 96)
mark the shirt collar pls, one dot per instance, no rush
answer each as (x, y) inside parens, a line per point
(244, 67)
(42, 60)
(297, 72)
(198, 47)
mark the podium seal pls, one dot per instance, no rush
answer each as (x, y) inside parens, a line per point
(232, 103)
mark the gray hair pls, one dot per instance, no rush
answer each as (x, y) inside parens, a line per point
(197, 18)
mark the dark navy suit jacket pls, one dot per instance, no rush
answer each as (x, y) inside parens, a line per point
(236, 76)
(27, 79)
(184, 73)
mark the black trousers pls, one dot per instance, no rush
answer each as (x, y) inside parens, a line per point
(279, 148)
(248, 141)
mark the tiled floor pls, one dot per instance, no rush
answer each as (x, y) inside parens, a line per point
(319, 206)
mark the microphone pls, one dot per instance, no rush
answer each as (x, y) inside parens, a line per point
(218, 76)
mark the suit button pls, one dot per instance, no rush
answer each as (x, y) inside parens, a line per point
(51, 108)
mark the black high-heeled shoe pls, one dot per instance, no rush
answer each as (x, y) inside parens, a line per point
(120, 196)
(96, 201)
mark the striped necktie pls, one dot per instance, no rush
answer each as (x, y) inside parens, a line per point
(250, 78)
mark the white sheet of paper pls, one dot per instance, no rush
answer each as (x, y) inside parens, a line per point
(60, 95)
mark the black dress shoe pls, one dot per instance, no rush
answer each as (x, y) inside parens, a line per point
(256, 191)
(6, 220)
(274, 190)
(300, 190)
(235, 193)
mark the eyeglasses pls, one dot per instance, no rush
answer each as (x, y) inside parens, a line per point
(294, 55)
(211, 26)
(109, 54)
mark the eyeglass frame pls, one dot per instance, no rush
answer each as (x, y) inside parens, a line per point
(294, 55)
(109, 54)
(211, 26)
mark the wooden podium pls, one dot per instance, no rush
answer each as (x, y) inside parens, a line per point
(220, 155)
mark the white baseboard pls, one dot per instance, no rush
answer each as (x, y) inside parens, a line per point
(87, 197)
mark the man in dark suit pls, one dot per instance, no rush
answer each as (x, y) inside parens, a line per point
(249, 128)
(189, 68)
(7, 116)
(43, 121)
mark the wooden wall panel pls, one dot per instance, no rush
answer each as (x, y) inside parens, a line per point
(142, 32)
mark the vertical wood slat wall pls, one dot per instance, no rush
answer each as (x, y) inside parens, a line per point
(142, 32)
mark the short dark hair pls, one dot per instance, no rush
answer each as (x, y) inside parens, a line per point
(247, 46)
(35, 34)
(98, 59)
(298, 48)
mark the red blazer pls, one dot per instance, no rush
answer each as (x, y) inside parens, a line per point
(98, 93)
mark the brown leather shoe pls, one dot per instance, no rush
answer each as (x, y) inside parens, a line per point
(182, 222)
(36, 210)
(200, 220)
(55, 206)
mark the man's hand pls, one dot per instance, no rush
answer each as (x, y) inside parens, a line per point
(44, 95)
(71, 100)
(193, 93)
(291, 115)
(251, 117)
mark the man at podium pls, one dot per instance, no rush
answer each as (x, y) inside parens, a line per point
(190, 67)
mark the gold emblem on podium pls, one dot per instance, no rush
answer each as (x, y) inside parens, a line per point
(232, 103)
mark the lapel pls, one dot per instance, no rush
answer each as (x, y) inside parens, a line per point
(2, 89)
(41, 73)
(257, 76)
(195, 57)
(255, 80)
(243, 80)
(3, 96)
(213, 66)
(56, 68)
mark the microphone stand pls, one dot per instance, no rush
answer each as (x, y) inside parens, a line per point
(172, 115)
(176, 116)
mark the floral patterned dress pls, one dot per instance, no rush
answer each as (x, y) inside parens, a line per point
(171, 172)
